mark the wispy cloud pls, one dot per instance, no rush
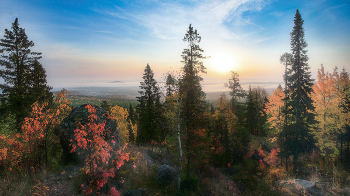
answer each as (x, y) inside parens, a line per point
(335, 7)
(167, 20)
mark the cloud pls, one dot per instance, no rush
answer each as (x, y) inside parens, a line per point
(167, 20)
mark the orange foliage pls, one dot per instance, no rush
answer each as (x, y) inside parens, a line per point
(29, 148)
(90, 139)
(274, 109)
(327, 99)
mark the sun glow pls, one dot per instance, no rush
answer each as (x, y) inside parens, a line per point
(222, 62)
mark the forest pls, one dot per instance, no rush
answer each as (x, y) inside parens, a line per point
(171, 140)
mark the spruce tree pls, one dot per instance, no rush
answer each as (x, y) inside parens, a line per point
(148, 109)
(191, 91)
(297, 138)
(190, 87)
(18, 61)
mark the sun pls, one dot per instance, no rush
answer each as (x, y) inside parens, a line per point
(222, 62)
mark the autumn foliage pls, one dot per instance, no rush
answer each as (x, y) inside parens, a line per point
(100, 162)
(31, 149)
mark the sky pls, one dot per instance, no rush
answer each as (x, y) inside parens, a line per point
(109, 43)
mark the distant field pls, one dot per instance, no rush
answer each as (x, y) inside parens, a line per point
(123, 96)
(79, 98)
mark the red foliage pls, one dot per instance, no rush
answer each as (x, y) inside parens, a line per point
(272, 158)
(90, 138)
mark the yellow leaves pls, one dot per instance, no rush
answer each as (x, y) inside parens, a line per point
(274, 109)
(326, 99)
(120, 114)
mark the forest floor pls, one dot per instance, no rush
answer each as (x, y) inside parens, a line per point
(61, 183)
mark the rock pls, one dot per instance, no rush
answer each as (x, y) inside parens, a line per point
(165, 175)
(80, 114)
(148, 159)
(298, 186)
(304, 183)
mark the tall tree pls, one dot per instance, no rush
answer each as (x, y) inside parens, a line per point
(191, 90)
(148, 109)
(297, 135)
(18, 60)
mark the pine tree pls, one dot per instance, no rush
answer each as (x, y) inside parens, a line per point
(148, 109)
(236, 89)
(297, 135)
(191, 90)
(18, 60)
(300, 79)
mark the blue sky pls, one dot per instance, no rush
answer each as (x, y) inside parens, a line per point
(93, 43)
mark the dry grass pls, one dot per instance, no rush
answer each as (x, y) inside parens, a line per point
(315, 175)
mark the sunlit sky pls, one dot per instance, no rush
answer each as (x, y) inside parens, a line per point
(109, 43)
